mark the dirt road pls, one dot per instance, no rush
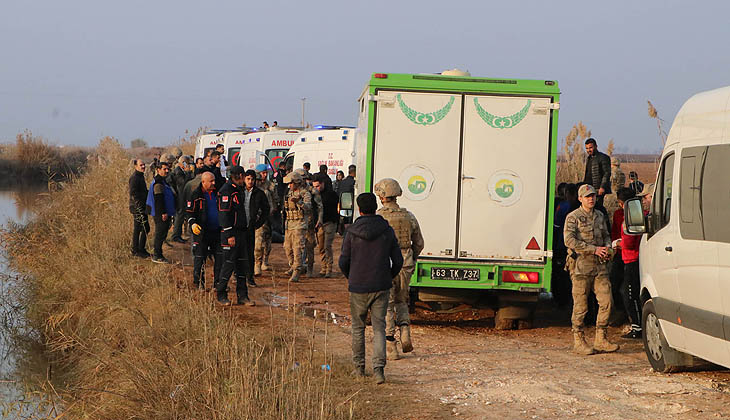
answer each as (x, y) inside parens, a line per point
(463, 367)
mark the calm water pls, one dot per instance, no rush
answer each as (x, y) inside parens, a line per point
(20, 359)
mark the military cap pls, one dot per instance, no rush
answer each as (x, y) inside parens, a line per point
(586, 190)
(648, 189)
(293, 177)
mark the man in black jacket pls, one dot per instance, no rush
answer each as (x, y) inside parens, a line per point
(202, 213)
(180, 176)
(370, 259)
(212, 166)
(257, 213)
(137, 199)
(598, 172)
(232, 217)
(327, 227)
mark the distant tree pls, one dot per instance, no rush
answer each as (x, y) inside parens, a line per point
(138, 143)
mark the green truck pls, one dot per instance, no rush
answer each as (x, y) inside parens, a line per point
(475, 157)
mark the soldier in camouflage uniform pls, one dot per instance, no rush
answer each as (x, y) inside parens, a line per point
(298, 211)
(589, 251)
(263, 234)
(410, 240)
(311, 234)
(618, 177)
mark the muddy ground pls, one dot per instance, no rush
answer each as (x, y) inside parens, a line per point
(463, 367)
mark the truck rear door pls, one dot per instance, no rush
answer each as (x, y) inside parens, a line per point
(504, 177)
(417, 143)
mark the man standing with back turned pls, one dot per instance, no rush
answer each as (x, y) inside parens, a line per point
(370, 259)
(589, 244)
(410, 241)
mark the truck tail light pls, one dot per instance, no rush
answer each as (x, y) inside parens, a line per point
(380, 75)
(520, 277)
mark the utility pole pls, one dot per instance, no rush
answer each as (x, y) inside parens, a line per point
(303, 101)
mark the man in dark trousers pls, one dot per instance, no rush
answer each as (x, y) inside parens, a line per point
(257, 213)
(232, 217)
(180, 176)
(598, 173)
(137, 199)
(161, 201)
(202, 213)
(370, 259)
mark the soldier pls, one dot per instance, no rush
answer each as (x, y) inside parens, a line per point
(618, 177)
(263, 234)
(298, 211)
(410, 241)
(589, 251)
(317, 216)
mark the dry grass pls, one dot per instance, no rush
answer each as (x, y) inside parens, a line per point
(134, 346)
(31, 159)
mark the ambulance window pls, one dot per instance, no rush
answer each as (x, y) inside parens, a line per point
(662, 200)
(690, 176)
(715, 194)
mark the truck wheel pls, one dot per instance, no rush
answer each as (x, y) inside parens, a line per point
(655, 344)
(502, 323)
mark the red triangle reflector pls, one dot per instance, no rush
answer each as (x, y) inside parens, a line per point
(533, 245)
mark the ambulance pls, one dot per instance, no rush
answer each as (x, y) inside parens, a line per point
(333, 146)
(249, 148)
(476, 159)
(208, 141)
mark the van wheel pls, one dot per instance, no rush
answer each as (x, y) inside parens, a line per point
(655, 344)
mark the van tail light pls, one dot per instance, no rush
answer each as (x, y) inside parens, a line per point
(520, 277)
(380, 75)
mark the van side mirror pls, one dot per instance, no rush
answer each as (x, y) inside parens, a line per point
(634, 216)
(347, 204)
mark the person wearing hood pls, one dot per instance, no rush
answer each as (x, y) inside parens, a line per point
(370, 259)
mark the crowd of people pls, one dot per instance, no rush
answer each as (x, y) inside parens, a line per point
(232, 213)
(593, 254)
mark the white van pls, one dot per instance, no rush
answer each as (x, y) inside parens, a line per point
(325, 145)
(684, 257)
(249, 148)
(208, 141)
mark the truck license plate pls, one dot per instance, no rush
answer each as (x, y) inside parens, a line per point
(443, 273)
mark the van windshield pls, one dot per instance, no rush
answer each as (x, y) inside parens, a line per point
(276, 155)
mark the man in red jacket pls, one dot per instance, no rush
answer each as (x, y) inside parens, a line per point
(630, 287)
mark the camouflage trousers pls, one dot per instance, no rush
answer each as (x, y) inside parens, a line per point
(262, 248)
(325, 236)
(311, 242)
(582, 286)
(397, 314)
(294, 243)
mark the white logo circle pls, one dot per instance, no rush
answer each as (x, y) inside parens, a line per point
(416, 182)
(505, 187)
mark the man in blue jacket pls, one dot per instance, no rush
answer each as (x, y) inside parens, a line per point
(202, 215)
(161, 202)
(370, 259)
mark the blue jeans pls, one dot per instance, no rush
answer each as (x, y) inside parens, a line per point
(377, 304)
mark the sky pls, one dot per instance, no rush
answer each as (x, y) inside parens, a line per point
(75, 71)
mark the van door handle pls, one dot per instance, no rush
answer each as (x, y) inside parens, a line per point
(668, 248)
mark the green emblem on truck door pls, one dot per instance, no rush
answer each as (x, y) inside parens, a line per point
(502, 122)
(421, 118)
(504, 188)
(417, 184)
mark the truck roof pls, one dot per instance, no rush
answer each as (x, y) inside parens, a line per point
(463, 83)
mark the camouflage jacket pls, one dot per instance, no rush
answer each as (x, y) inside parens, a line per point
(584, 232)
(407, 231)
(298, 209)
